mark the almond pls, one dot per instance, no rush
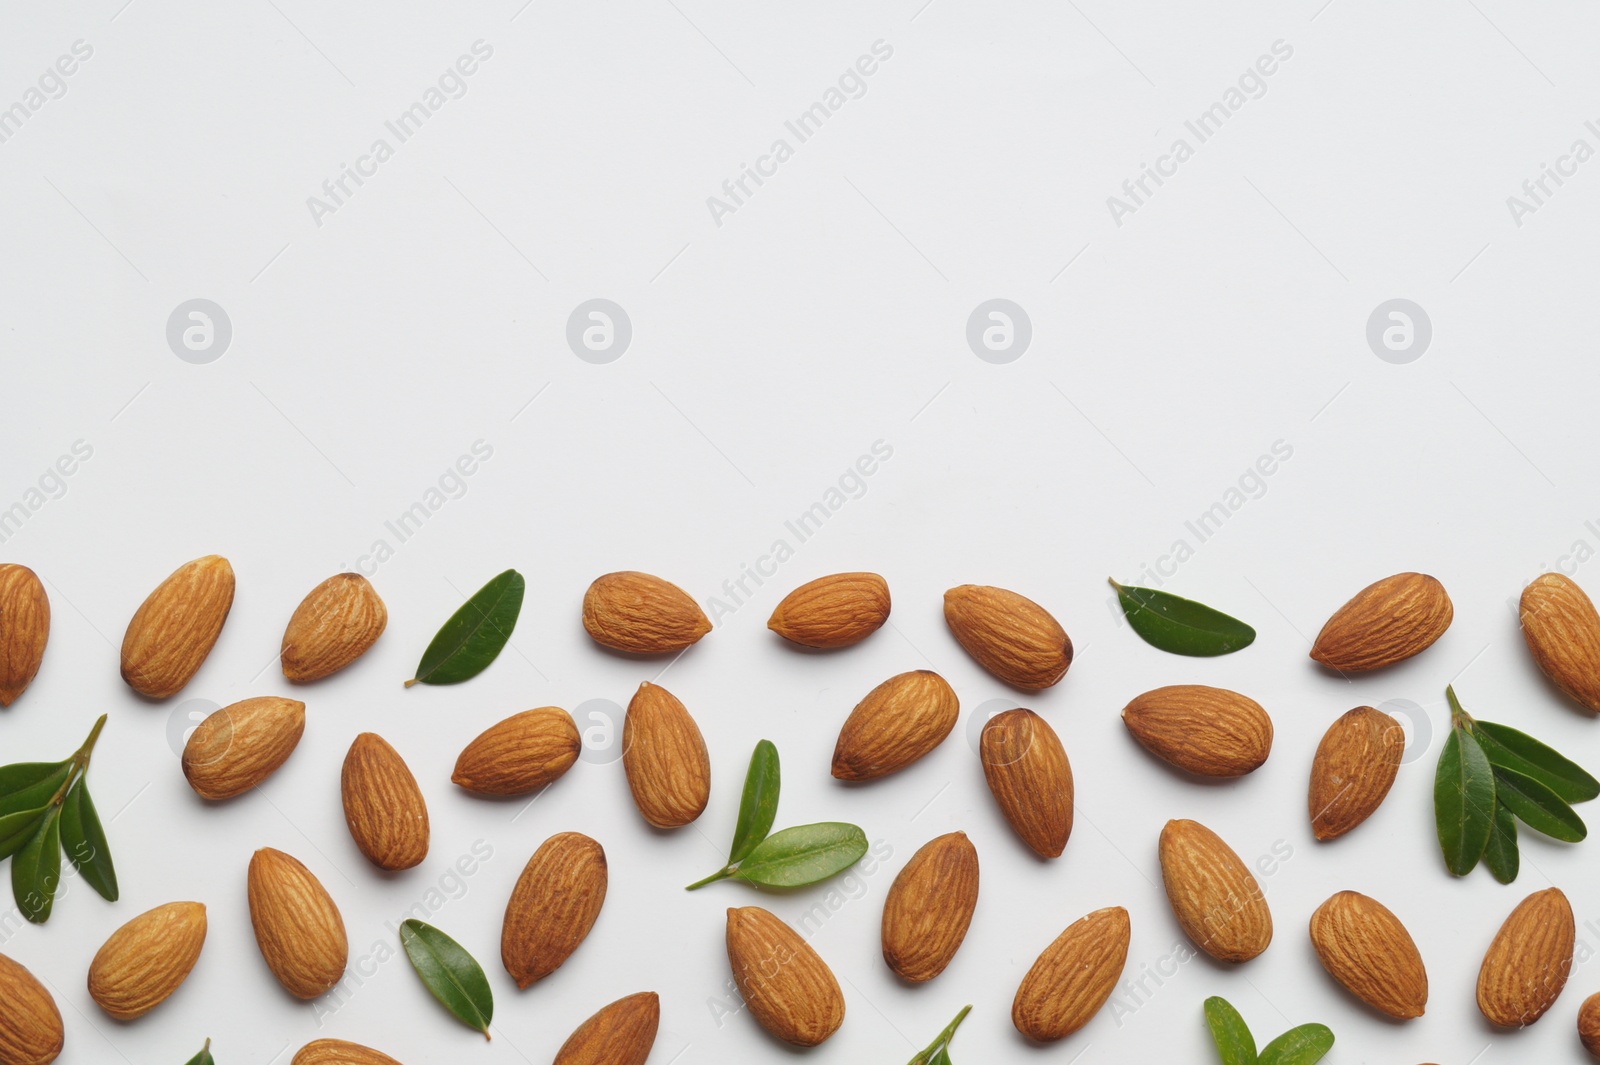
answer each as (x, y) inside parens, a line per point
(333, 626)
(833, 611)
(523, 753)
(620, 1034)
(1388, 621)
(30, 1024)
(1074, 976)
(1011, 636)
(1589, 1024)
(790, 990)
(1563, 632)
(298, 928)
(553, 907)
(24, 629)
(1354, 768)
(930, 906)
(1216, 900)
(1209, 731)
(239, 746)
(383, 806)
(1528, 963)
(665, 759)
(1368, 950)
(176, 626)
(641, 614)
(338, 1052)
(145, 960)
(898, 722)
(1031, 780)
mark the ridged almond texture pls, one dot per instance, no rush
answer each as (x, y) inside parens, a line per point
(1528, 963)
(1353, 770)
(642, 614)
(1028, 774)
(898, 722)
(553, 906)
(523, 753)
(930, 906)
(146, 960)
(1217, 902)
(242, 744)
(1074, 976)
(298, 928)
(620, 1034)
(1589, 1024)
(1388, 621)
(1010, 635)
(24, 629)
(383, 806)
(176, 626)
(665, 759)
(30, 1024)
(1563, 631)
(1209, 731)
(1368, 950)
(834, 611)
(789, 989)
(335, 624)
(338, 1052)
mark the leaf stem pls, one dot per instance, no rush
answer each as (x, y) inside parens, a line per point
(80, 761)
(1459, 718)
(944, 1038)
(720, 874)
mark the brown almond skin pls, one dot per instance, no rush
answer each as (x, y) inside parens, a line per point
(665, 758)
(384, 808)
(1011, 636)
(176, 626)
(1528, 962)
(24, 629)
(1211, 732)
(339, 1052)
(147, 959)
(1386, 622)
(1366, 948)
(642, 614)
(521, 754)
(833, 611)
(1354, 768)
(30, 1025)
(1074, 976)
(1562, 630)
(620, 1034)
(897, 723)
(1028, 774)
(297, 926)
(1589, 1024)
(553, 906)
(1217, 902)
(789, 989)
(336, 623)
(929, 907)
(241, 745)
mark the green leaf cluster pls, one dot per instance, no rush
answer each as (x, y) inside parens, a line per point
(1302, 1045)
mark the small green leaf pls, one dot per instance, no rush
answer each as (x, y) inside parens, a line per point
(475, 635)
(759, 806)
(1182, 626)
(941, 1058)
(938, 1051)
(204, 1057)
(1234, 1042)
(803, 855)
(452, 974)
(1463, 801)
(84, 840)
(18, 828)
(1511, 749)
(1298, 1046)
(1538, 807)
(1501, 854)
(36, 870)
(28, 785)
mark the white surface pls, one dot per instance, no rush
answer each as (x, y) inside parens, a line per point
(768, 354)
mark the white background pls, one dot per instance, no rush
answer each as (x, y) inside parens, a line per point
(828, 312)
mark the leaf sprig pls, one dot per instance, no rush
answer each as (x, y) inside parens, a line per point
(1181, 626)
(938, 1051)
(1301, 1045)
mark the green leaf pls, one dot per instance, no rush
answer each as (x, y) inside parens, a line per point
(452, 974)
(1182, 626)
(36, 870)
(1234, 1042)
(941, 1058)
(759, 806)
(1463, 801)
(17, 829)
(938, 1051)
(1511, 749)
(1538, 807)
(1501, 854)
(475, 635)
(803, 855)
(84, 840)
(28, 785)
(1298, 1046)
(204, 1057)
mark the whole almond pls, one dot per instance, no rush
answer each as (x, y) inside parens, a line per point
(641, 614)
(1074, 976)
(338, 1052)
(244, 743)
(1028, 774)
(620, 1034)
(665, 759)
(790, 990)
(834, 611)
(383, 806)
(930, 906)
(1368, 950)
(30, 1024)
(898, 722)
(1528, 963)
(1217, 902)
(297, 926)
(1353, 770)
(1011, 636)
(334, 625)
(145, 960)
(24, 629)
(1589, 1024)
(176, 626)
(1388, 621)
(523, 753)
(1209, 731)
(553, 907)
(1563, 632)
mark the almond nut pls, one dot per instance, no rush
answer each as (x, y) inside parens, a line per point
(1028, 773)
(523, 753)
(338, 1052)
(789, 989)
(620, 1034)
(642, 614)
(1355, 766)
(1011, 636)
(553, 907)
(239, 746)
(334, 625)
(834, 611)
(898, 722)
(1368, 950)
(176, 626)
(297, 926)
(1563, 632)
(383, 806)
(665, 759)
(146, 960)
(24, 629)
(930, 906)
(1529, 961)
(1388, 621)
(1074, 976)
(1217, 902)
(30, 1024)
(1589, 1024)
(1212, 732)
